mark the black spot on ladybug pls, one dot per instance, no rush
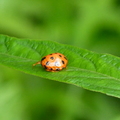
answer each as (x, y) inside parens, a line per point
(50, 54)
(51, 58)
(65, 58)
(60, 55)
(43, 58)
(57, 69)
(51, 69)
(47, 63)
(63, 62)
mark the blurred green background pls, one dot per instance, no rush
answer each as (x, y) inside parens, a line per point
(89, 24)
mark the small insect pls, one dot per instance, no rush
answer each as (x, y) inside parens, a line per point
(53, 62)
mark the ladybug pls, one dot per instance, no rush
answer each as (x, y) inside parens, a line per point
(53, 62)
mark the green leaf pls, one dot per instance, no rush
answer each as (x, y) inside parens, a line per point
(92, 71)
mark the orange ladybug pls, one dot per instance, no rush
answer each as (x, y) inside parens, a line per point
(53, 62)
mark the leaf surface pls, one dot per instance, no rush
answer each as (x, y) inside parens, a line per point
(90, 70)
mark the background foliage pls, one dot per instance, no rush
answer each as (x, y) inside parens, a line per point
(89, 24)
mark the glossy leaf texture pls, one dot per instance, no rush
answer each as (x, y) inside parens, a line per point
(86, 69)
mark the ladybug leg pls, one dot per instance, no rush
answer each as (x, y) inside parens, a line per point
(50, 70)
(37, 63)
(47, 70)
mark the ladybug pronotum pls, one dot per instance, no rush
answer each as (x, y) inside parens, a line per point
(53, 62)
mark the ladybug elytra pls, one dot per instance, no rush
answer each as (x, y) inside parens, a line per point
(53, 62)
